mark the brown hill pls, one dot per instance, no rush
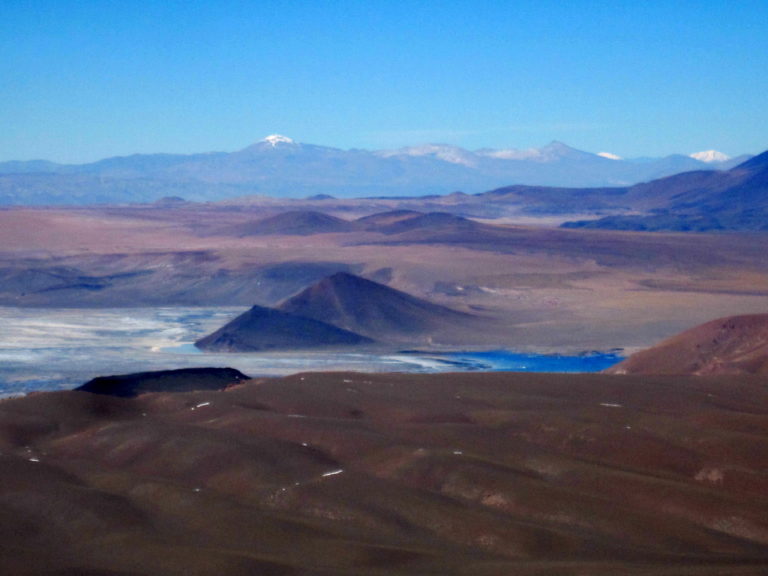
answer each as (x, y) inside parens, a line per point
(381, 220)
(371, 309)
(342, 474)
(268, 329)
(404, 221)
(733, 345)
(294, 223)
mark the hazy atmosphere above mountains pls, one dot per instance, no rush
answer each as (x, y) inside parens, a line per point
(87, 81)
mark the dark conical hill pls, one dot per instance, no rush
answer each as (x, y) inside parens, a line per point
(268, 329)
(369, 308)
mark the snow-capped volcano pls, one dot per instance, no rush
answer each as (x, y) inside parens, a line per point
(710, 156)
(275, 139)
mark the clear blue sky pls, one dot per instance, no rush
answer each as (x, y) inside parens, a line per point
(82, 80)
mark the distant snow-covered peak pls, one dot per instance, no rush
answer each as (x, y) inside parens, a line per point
(275, 139)
(710, 156)
(609, 156)
(445, 152)
(552, 152)
(510, 153)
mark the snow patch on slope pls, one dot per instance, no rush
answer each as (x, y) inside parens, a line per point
(710, 156)
(452, 154)
(275, 139)
(511, 153)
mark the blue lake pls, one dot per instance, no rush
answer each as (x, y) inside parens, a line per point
(58, 349)
(509, 361)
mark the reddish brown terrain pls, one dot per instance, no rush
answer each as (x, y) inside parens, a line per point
(359, 474)
(733, 345)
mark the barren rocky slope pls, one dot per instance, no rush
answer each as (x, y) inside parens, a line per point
(733, 345)
(358, 474)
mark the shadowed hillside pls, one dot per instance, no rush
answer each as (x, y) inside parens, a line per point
(182, 380)
(268, 329)
(342, 474)
(735, 199)
(734, 345)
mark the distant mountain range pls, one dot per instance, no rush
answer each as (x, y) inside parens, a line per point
(279, 166)
(698, 201)
(735, 199)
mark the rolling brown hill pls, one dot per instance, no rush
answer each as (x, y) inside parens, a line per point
(293, 223)
(382, 220)
(403, 221)
(268, 329)
(372, 309)
(732, 345)
(342, 474)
